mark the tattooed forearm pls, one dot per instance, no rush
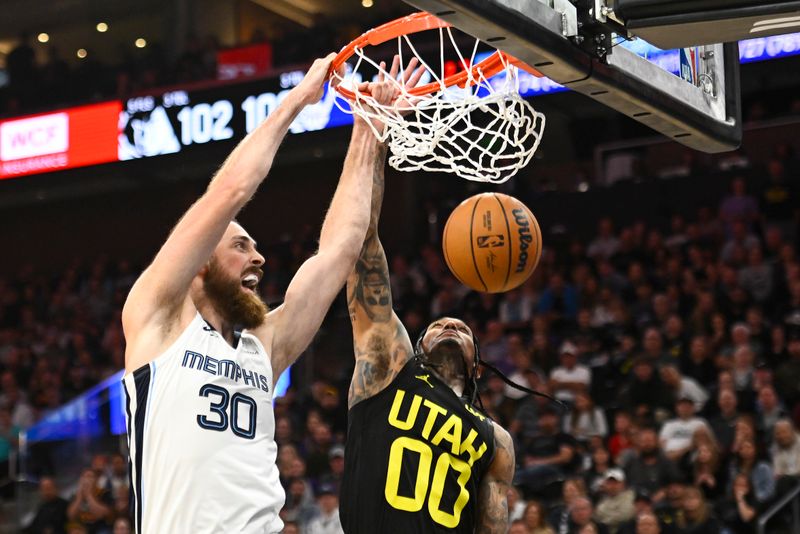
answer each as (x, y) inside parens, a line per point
(381, 347)
(493, 494)
(494, 518)
(377, 189)
(368, 286)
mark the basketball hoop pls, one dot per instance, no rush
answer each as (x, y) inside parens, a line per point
(472, 122)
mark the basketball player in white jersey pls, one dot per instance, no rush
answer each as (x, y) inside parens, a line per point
(199, 394)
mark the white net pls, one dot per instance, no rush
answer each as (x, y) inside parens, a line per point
(482, 131)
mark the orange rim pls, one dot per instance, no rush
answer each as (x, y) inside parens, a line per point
(415, 23)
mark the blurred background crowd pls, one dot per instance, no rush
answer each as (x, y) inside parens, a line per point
(676, 350)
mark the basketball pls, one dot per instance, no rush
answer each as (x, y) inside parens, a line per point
(492, 242)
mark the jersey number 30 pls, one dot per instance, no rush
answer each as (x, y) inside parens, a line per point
(223, 404)
(444, 463)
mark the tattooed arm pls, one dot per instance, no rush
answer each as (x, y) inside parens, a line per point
(493, 493)
(382, 345)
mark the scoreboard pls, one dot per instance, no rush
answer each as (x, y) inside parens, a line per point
(174, 121)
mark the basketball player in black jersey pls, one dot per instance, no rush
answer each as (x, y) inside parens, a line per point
(419, 458)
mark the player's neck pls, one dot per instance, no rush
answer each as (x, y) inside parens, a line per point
(448, 368)
(216, 320)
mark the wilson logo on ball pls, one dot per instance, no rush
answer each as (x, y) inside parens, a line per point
(525, 238)
(491, 241)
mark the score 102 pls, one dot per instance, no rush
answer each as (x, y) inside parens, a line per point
(204, 122)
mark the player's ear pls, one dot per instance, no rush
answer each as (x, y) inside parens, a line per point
(478, 372)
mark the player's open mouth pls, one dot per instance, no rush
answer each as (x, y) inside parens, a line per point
(250, 282)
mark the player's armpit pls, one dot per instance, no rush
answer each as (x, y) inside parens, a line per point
(493, 493)
(381, 352)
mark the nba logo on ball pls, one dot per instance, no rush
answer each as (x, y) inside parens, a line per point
(492, 242)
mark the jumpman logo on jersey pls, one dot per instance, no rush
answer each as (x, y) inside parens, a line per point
(424, 378)
(474, 412)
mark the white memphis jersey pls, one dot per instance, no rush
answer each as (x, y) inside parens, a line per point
(201, 438)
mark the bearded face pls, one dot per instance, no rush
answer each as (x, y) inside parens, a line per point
(236, 301)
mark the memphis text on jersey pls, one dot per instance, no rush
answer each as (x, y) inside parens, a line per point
(227, 368)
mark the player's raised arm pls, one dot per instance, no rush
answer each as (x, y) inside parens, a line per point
(381, 343)
(159, 295)
(290, 328)
(493, 493)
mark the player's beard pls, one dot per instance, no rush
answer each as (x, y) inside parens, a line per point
(235, 305)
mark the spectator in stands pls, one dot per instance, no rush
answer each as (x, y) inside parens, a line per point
(494, 399)
(674, 338)
(548, 455)
(645, 395)
(785, 449)
(606, 244)
(595, 475)
(559, 300)
(682, 386)
(336, 465)
(516, 309)
(543, 353)
(747, 462)
(653, 342)
(518, 527)
(739, 510)
(300, 506)
(615, 507)
(779, 197)
(569, 378)
(121, 502)
(741, 241)
(521, 364)
(534, 519)
(648, 468)
(697, 517)
(647, 523)
(623, 437)
(14, 399)
(516, 506)
(776, 351)
(668, 507)
(122, 525)
(757, 276)
(328, 402)
(571, 490)
(51, 514)
(738, 207)
(316, 450)
(494, 344)
(787, 376)
(705, 466)
(743, 368)
(327, 519)
(697, 362)
(676, 434)
(768, 410)
(585, 420)
(90, 506)
(580, 518)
